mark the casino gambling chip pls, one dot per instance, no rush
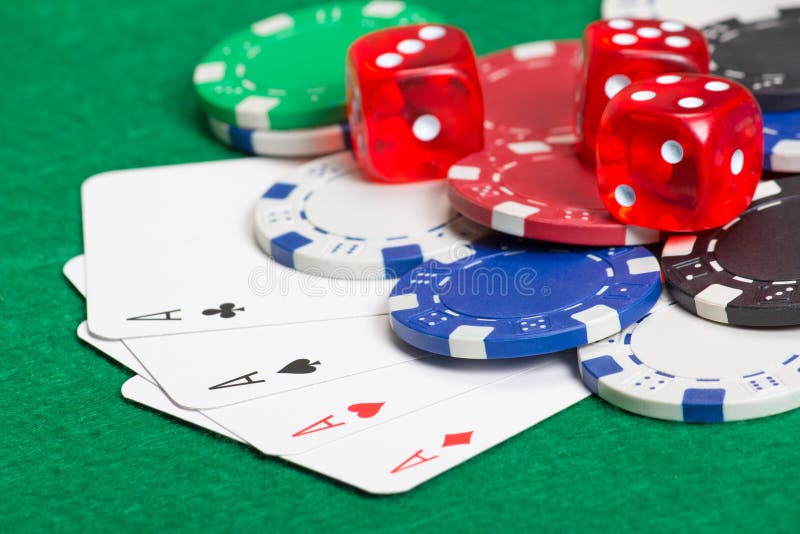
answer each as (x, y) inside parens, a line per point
(760, 55)
(671, 365)
(782, 141)
(522, 300)
(528, 181)
(283, 143)
(327, 219)
(505, 78)
(747, 272)
(286, 72)
(695, 13)
(540, 191)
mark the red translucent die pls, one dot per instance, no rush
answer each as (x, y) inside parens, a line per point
(414, 101)
(617, 52)
(681, 152)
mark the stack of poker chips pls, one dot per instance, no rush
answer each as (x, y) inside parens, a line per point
(277, 88)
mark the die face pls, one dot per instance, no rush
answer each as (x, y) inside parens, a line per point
(383, 53)
(414, 102)
(437, 122)
(618, 52)
(645, 35)
(679, 152)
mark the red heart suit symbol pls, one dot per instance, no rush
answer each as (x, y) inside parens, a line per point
(365, 410)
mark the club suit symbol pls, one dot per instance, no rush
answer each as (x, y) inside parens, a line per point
(225, 311)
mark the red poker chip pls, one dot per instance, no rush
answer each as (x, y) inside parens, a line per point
(513, 78)
(528, 181)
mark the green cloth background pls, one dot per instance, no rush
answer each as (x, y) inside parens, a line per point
(95, 85)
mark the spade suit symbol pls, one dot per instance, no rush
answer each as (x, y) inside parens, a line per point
(302, 366)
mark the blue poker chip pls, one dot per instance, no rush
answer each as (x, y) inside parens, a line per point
(523, 300)
(285, 143)
(782, 141)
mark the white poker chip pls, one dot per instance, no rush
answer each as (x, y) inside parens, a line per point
(327, 219)
(697, 14)
(672, 365)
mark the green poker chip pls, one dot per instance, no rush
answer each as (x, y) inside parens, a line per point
(287, 71)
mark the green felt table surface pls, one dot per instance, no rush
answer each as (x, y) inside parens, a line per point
(96, 85)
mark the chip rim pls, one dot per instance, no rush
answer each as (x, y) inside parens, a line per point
(306, 142)
(677, 253)
(295, 242)
(661, 9)
(774, 97)
(415, 294)
(610, 386)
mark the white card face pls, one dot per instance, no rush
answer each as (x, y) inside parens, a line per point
(399, 455)
(73, 271)
(213, 369)
(142, 388)
(139, 390)
(304, 419)
(301, 420)
(171, 250)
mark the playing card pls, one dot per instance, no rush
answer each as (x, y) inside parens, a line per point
(397, 456)
(74, 272)
(304, 419)
(171, 250)
(115, 349)
(139, 389)
(212, 369)
(142, 387)
(300, 420)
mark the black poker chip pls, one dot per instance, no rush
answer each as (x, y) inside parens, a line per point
(762, 55)
(746, 273)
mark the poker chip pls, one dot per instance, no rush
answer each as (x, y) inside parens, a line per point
(761, 56)
(528, 181)
(523, 300)
(505, 81)
(697, 14)
(671, 365)
(782, 141)
(287, 71)
(747, 272)
(287, 143)
(541, 191)
(327, 219)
